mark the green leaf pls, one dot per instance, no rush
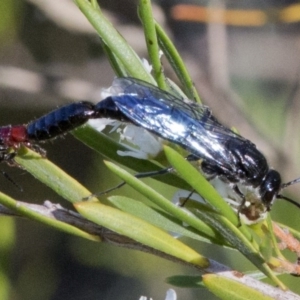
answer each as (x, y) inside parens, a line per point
(186, 281)
(114, 41)
(108, 147)
(200, 184)
(139, 230)
(177, 64)
(162, 202)
(231, 233)
(229, 289)
(145, 14)
(51, 175)
(115, 63)
(157, 218)
(225, 221)
(32, 214)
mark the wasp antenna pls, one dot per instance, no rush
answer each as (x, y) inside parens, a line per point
(284, 185)
(11, 180)
(288, 200)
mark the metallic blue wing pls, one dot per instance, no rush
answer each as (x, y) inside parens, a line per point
(181, 121)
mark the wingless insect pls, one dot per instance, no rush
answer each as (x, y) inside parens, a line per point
(224, 154)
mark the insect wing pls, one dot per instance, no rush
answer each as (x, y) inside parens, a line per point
(183, 122)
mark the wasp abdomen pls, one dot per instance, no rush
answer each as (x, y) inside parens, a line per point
(60, 121)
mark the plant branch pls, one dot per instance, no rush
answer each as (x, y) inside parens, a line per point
(58, 213)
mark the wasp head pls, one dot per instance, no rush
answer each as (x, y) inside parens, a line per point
(270, 188)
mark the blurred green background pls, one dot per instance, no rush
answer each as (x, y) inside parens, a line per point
(49, 56)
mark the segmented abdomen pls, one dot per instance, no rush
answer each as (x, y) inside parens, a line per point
(60, 121)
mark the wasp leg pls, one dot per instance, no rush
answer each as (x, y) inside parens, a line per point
(183, 203)
(139, 175)
(11, 180)
(239, 193)
(37, 148)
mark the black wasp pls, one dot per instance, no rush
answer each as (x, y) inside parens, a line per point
(225, 154)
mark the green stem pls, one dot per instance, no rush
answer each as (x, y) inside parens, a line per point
(145, 13)
(177, 63)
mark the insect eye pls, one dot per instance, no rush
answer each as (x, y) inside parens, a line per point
(270, 187)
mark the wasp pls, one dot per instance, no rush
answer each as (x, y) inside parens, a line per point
(224, 154)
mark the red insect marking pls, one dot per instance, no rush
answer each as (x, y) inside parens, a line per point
(12, 136)
(18, 134)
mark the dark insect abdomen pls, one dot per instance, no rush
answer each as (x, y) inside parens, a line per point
(60, 121)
